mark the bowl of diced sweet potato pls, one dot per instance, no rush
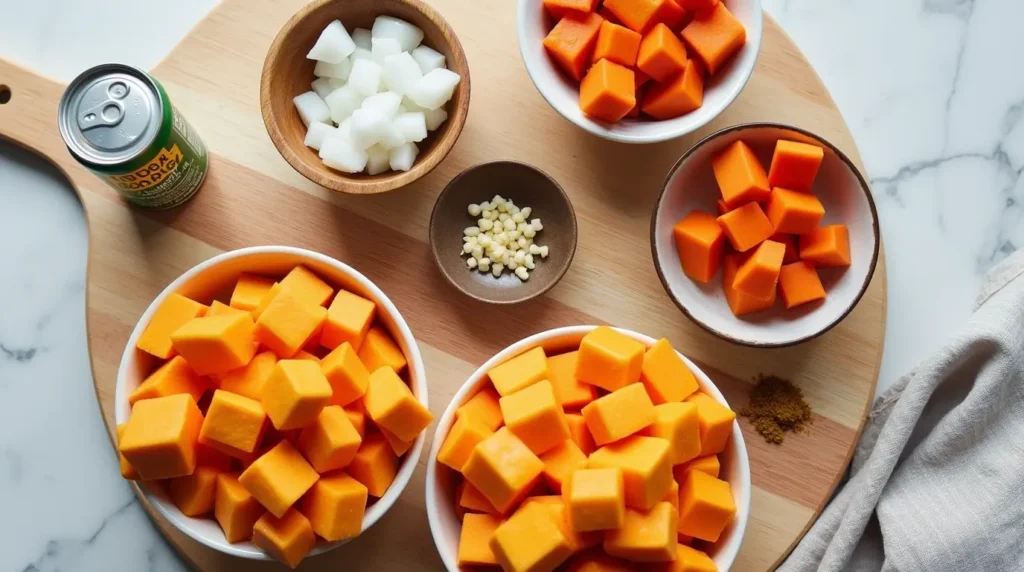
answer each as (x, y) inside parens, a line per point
(586, 448)
(639, 71)
(271, 403)
(765, 235)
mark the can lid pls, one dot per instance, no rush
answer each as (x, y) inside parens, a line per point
(109, 114)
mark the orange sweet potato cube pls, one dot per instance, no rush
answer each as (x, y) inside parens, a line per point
(679, 95)
(288, 538)
(699, 242)
(664, 375)
(708, 464)
(662, 55)
(307, 286)
(216, 344)
(740, 176)
(646, 465)
(716, 422)
(609, 359)
(740, 302)
(234, 424)
(561, 462)
(161, 437)
(461, 440)
(194, 494)
(174, 376)
(390, 404)
(619, 414)
(127, 470)
(379, 349)
(533, 415)
(706, 506)
(617, 44)
(278, 478)
(503, 469)
(483, 407)
(799, 284)
(330, 442)
(795, 165)
(571, 42)
(641, 15)
(375, 464)
(335, 507)
(746, 226)
(715, 35)
(519, 372)
(679, 424)
(294, 393)
(175, 311)
(530, 540)
(793, 212)
(826, 246)
(596, 499)
(570, 392)
(607, 92)
(248, 380)
(349, 318)
(235, 509)
(645, 536)
(475, 540)
(288, 323)
(790, 242)
(687, 560)
(346, 374)
(759, 273)
(579, 432)
(249, 292)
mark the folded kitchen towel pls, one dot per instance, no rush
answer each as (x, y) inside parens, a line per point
(937, 481)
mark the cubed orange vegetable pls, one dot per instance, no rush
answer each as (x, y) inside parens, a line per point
(826, 246)
(356, 413)
(608, 16)
(664, 375)
(662, 55)
(483, 407)
(716, 423)
(279, 478)
(218, 308)
(641, 15)
(207, 456)
(471, 499)
(794, 212)
(346, 374)
(397, 445)
(740, 176)
(391, 404)
(560, 514)
(619, 414)
(294, 393)
(617, 44)
(519, 372)
(534, 416)
(216, 344)
(795, 165)
(235, 509)
(330, 442)
(687, 560)
(349, 318)
(307, 286)
(706, 506)
(790, 242)
(462, 438)
(715, 35)
(699, 241)
(739, 301)
(249, 292)
(759, 273)
(560, 462)
(559, 8)
(161, 437)
(571, 42)
(597, 561)
(645, 536)
(288, 323)
(529, 541)
(697, 5)
(174, 376)
(609, 359)
(596, 499)
(708, 464)
(503, 468)
(275, 289)
(127, 470)
(234, 424)
(194, 494)
(335, 507)
(679, 424)
(746, 226)
(579, 432)
(722, 207)
(287, 539)
(248, 380)
(646, 466)
(677, 96)
(672, 496)
(379, 349)
(173, 313)
(607, 91)
(570, 392)
(674, 16)
(375, 464)
(799, 284)
(475, 540)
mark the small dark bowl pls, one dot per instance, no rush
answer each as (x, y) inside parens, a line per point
(526, 186)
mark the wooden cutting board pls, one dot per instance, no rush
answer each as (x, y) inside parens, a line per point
(253, 197)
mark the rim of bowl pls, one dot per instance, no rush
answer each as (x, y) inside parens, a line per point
(533, 69)
(357, 184)
(470, 384)
(557, 278)
(244, 550)
(862, 184)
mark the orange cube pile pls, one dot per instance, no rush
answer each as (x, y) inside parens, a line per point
(309, 411)
(583, 461)
(612, 47)
(768, 237)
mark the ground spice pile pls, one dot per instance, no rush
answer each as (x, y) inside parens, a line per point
(776, 407)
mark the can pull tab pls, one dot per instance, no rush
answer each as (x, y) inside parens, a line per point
(107, 113)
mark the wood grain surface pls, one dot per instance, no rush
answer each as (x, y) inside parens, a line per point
(252, 196)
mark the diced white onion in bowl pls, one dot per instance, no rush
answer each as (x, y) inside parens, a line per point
(428, 58)
(343, 101)
(311, 108)
(401, 73)
(341, 154)
(403, 156)
(317, 133)
(384, 47)
(386, 102)
(338, 70)
(333, 45)
(323, 86)
(412, 126)
(361, 37)
(369, 127)
(435, 88)
(365, 77)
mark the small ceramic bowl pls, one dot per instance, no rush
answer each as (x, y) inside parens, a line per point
(287, 73)
(843, 192)
(214, 278)
(526, 186)
(442, 480)
(563, 94)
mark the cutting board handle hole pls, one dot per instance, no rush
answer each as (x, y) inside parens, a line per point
(5, 94)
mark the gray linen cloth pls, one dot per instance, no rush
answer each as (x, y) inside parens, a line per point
(937, 481)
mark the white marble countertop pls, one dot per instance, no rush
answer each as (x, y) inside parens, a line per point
(920, 83)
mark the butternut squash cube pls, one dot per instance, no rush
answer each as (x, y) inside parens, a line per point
(307, 286)
(379, 349)
(645, 536)
(706, 506)
(758, 274)
(664, 375)
(570, 392)
(267, 299)
(161, 436)
(216, 344)
(688, 560)
(279, 478)
(218, 308)
(608, 91)
(357, 415)
(289, 323)
(483, 407)
(646, 466)
(397, 445)
(235, 509)
(794, 212)
(375, 464)
(471, 499)
(639, 15)
(530, 541)
(619, 414)
(560, 514)
(349, 318)
(679, 424)
(390, 403)
(561, 462)
(249, 292)
(248, 380)
(330, 442)
(740, 302)
(193, 494)
(672, 496)
(294, 393)
(716, 421)
(746, 226)
(288, 538)
(708, 465)
(519, 372)
(799, 284)
(596, 561)
(534, 416)
(714, 36)
(596, 499)
(207, 456)
(475, 540)
(461, 440)
(571, 42)
(234, 424)
(740, 176)
(609, 359)
(699, 242)
(579, 433)
(826, 246)
(175, 311)
(503, 468)
(346, 374)
(127, 470)
(335, 507)
(795, 165)
(174, 376)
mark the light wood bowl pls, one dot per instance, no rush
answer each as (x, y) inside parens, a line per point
(287, 73)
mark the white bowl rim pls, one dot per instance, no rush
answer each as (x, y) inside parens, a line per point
(863, 185)
(445, 421)
(533, 70)
(417, 376)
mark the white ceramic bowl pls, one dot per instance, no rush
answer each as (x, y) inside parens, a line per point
(215, 277)
(533, 24)
(440, 489)
(843, 192)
